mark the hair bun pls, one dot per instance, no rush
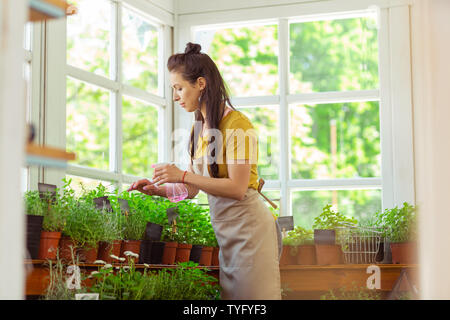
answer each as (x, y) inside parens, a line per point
(192, 48)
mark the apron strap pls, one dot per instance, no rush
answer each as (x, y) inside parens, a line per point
(261, 184)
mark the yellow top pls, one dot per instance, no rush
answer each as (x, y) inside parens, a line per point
(239, 143)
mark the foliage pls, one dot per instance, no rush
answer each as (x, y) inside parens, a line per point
(329, 219)
(186, 282)
(354, 293)
(400, 224)
(299, 236)
(57, 288)
(54, 211)
(125, 284)
(33, 203)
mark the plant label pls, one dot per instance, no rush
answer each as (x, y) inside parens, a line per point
(374, 281)
(74, 281)
(124, 206)
(86, 296)
(172, 214)
(286, 223)
(45, 188)
(102, 203)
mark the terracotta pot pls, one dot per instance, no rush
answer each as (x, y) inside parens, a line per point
(130, 245)
(106, 249)
(66, 245)
(289, 255)
(206, 256)
(183, 252)
(328, 254)
(49, 244)
(215, 256)
(34, 228)
(306, 255)
(87, 254)
(404, 253)
(196, 253)
(169, 253)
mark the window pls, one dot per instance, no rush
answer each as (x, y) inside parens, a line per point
(319, 126)
(115, 95)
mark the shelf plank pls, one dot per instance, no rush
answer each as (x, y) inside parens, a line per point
(49, 9)
(49, 152)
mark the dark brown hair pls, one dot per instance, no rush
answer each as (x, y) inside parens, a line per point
(193, 64)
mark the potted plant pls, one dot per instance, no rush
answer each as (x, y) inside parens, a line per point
(325, 226)
(55, 213)
(86, 226)
(133, 232)
(290, 249)
(400, 225)
(306, 249)
(34, 210)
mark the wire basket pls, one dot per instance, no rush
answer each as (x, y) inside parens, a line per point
(360, 245)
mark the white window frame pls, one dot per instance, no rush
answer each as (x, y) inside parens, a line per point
(394, 93)
(158, 15)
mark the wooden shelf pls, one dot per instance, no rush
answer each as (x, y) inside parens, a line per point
(47, 156)
(49, 9)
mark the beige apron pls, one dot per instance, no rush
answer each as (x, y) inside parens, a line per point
(249, 242)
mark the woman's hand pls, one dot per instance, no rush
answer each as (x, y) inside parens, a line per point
(146, 187)
(166, 173)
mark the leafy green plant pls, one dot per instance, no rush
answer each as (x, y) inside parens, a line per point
(329, 219)
(33, 203)
(299, 236)
(354, 293)
(400, 224)
(55, 213)
(186, 282)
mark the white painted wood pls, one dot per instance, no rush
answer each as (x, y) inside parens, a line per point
(13, 15)
(92, 78)
(166, 143)
(144, 95)
(255, 101)
(401, 99)
(37, 89)
(191, 6)
(285, 141)
(334, 97)
(233, 12)
(115, 121)
(386, 134)
(335, 184)
(430, 52)
(55, 94)
(157, 11)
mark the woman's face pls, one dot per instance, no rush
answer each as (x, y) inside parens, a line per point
(185, 93)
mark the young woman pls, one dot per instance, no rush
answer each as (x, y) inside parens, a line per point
(224, 168)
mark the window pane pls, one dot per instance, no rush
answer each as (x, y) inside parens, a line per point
(266, 122)
(87, 122)
(336, 55)
(247, 57)
(28, 30)
(139, 52)
(140, 137)
(78, 183)
(88, 36)
(335, 141)
(360, 204)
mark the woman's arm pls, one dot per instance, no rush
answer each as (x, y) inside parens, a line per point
(192, 190)
(233, 187)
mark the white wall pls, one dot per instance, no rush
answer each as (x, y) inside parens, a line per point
(431, 69)
(12, 148)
